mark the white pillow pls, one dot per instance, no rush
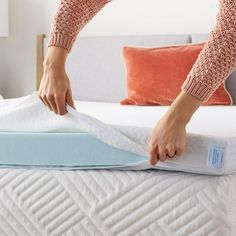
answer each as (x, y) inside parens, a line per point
(1, 97)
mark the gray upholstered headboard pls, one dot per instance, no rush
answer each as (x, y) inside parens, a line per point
(96, 69)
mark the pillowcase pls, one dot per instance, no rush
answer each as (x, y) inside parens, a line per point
(155, 75)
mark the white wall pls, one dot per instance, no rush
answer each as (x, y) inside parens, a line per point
(28, 18)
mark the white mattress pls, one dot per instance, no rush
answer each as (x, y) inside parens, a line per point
(207, 120)
(112, 202)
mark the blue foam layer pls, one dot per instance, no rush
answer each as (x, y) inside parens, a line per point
(61, 150)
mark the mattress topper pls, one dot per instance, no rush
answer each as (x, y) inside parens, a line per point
(210, 134)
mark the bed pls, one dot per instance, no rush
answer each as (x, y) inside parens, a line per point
(114, 202)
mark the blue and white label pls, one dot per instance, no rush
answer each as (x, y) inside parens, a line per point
(215, 157)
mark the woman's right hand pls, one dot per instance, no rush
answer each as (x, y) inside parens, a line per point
(55, 91)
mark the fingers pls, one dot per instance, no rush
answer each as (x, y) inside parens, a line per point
(160, 153)
(42, 100)
(61, 104)
(69, 99)
(53, 89)
(52, 103)
(153, 151)
(164, 153)
(170, 151)
(179, 151)
(45, 101)
(167, 140)
(55, 102)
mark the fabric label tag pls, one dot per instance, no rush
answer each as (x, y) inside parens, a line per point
(215, 157)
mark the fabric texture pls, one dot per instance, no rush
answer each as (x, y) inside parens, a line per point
(154, 75)
(205, 152)
(111, 202)
(71, 16)
(215, 62)
(217, 59)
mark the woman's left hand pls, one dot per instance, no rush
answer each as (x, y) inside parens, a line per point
(167, 140)
(169, 135)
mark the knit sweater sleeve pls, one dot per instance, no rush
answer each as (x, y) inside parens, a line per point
(217, 59)
(71, 16)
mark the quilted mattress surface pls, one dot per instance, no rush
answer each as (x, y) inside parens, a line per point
(114, 202)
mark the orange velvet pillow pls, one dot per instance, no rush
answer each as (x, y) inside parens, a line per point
(155, 75)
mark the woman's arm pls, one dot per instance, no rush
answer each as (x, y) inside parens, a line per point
(217, 59)
(169, 134)
(70, 18)
(212, 67)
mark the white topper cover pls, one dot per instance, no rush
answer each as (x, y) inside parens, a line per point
(210, 144)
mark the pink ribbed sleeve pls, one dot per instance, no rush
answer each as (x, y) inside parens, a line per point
(217, 59)
(71, 16)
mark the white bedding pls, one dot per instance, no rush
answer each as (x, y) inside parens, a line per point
(208, 120)
(211, 134)
(113, 202)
